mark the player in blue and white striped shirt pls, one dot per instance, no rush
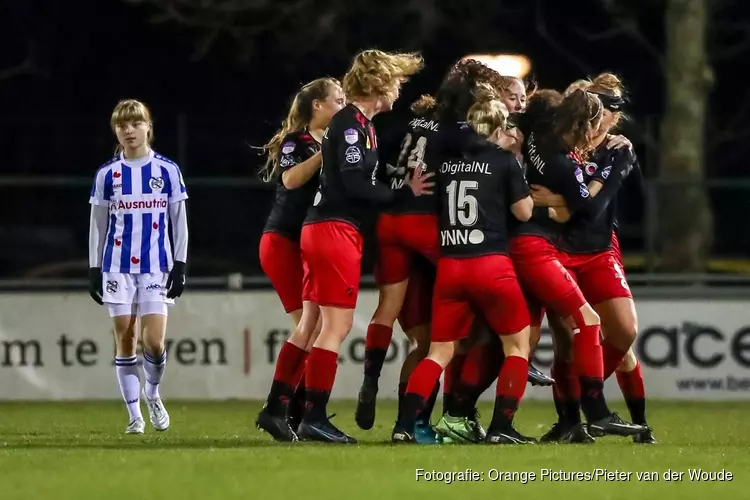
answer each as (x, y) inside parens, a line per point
(133, 268)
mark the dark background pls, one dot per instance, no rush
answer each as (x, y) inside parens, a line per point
(65, 64)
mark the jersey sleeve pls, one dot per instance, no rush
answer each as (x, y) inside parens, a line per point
(358, 185)
(516, 186)
(101, 191)
(177, 191)
(618, 166)
(568, 181)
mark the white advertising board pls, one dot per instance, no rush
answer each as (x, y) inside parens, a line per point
(224, 346)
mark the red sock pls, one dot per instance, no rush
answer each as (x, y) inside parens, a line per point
(511, 382)
(587, 353)
(453, 372)
(378, 336)
(290, 365)
(321, 370)
(472, 367)
(631, 383)
(559, 372)
(613, 356)
(422, 380)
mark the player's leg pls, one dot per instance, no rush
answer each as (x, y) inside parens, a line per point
(297, 404)
(281, 261)
(152, 312)
(333, 252)
(503, 305)
(392, 276)
(537, 378)
(542, 274)
(119, 295)
(280, 414)
(630, 380)
(451, 319)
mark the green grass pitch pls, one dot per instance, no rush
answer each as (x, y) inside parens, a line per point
(76, 450)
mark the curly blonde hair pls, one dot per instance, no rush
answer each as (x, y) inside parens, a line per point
(378, 73)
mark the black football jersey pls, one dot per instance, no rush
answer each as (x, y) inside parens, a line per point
(559, 171)
(417, 155)
(475, 194)
(350, 187)
(590, 231)
(290, 205)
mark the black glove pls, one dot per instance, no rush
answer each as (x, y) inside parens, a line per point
(95, 284)
(176, 280)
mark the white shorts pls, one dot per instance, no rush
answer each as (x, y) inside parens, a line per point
(135, 294)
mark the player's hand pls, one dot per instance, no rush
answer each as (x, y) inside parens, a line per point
(95, 284)
(419, 182)
(176, 280)
(618, 141)
(543, 197)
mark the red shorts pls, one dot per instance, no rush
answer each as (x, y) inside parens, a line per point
(399, 238)
(332, 255)
(599, 276)
(616, 252)
(487, 283)
(417, 307)
(281, 260)
(543, 276)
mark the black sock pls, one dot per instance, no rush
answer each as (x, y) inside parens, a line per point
(297, 405)
(593, 404)
(505, 410)
(637, 409)
(315, 405)
(278, 398)
(426, 414)
(374, 359)
(559, 408)
(413, 404)
(401, 392)
(572, 412)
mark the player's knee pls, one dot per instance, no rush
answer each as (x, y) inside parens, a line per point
(441, 353)
(628, 363)
(125, 334)
(390, 302)
(589, 316)
(517, 344)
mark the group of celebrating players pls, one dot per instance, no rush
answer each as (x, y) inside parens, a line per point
(493, 204)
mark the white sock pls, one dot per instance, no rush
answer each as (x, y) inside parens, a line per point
(130, 384)
(153, 369)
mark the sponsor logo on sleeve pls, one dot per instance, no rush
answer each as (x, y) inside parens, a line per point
(288, 147)
(351, 136)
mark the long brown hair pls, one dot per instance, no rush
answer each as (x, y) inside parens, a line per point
(298, 118)
(605, 84)
(576, 116)
(131, 110)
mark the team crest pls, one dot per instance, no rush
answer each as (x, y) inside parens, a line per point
(156, 183)
(353, 155)
(112, 286)
(591, 168)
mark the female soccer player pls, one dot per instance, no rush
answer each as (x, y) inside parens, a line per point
(133, 268)
(294, 161)
(479, 185)
(331, 240)
(594, 259)
(554, 155)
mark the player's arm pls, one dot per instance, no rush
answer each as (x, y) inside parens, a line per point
(522, 205)
(609, 179)
(98, 225)
(295, 174)
(358, 185)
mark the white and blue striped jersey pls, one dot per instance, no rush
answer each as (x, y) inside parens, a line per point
(138, 194)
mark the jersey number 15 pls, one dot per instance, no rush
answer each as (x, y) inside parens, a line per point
(461, 204)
